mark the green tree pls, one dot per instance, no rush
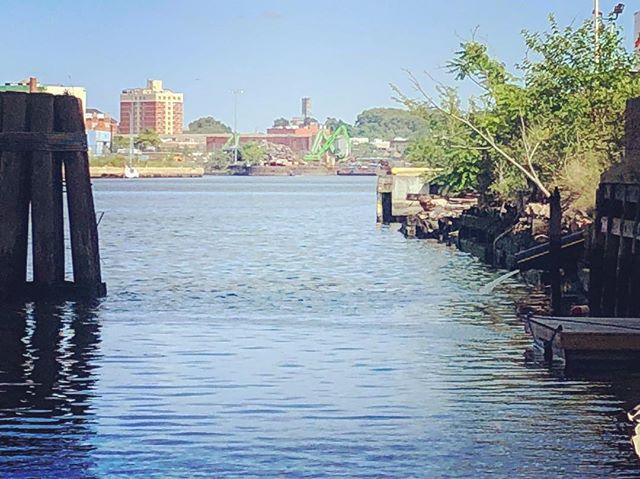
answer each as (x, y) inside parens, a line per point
(446, 146)
(208, 124)
(388, 123)
(147, 138)
(280, 122)
(562, 113)
(252, 153)
(118, 142)
(217, 160)
(333, 124)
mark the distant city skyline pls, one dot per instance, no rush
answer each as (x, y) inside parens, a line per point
(342, 55)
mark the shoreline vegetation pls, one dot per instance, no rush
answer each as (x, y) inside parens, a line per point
(555, 120)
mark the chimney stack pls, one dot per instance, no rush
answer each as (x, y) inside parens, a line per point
(33, 85)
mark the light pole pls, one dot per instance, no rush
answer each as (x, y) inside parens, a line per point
(235, 123)
(596, 27)
(131, 137)
(615, 13)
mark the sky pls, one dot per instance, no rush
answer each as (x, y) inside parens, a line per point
(342, 54)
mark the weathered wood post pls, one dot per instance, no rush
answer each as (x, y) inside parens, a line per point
(632, 157)
(46, 200)
(634, 278)
(596, 252)
(623, 259)
(14, 197)
(555, 245)
(610, 251)
(38, 134)
(82, 217)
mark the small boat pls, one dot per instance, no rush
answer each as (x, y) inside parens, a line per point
(131, 172)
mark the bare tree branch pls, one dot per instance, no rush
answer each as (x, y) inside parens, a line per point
(529, 152)
(466, 147)
(486, 136)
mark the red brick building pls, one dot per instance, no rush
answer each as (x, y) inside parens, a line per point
(298, 138)
(299, 144)
(151, 108)
(308, 130)
(99, 121)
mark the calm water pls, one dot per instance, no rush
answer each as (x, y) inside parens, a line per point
(264, 327)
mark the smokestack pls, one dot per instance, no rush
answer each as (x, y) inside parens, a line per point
(306, 107)
(33, 85)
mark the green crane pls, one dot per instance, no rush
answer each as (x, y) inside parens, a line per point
(325, 143)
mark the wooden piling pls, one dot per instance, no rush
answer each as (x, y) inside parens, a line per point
(634, 277)
(82, 220)
(596, 252)
(38, 134)
(614, 255)
(610, 254)
(14, 197)
(555, 245)
(46, 199)
(623, 263)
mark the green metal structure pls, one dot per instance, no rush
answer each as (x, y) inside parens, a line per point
(325, 143)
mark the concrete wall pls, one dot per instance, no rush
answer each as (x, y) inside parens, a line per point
(402, 186)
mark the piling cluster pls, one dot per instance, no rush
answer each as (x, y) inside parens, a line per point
(43, 151)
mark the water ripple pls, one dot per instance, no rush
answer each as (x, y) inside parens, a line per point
(264, 327)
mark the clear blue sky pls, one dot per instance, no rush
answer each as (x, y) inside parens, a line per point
(343, 54)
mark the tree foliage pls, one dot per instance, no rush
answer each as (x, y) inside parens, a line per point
(280, 122)
(147, 138)
(388, 123)
(118, 142)
(333, 124)
(560, 113)
(208, 124)
(445, 145)
(253, 153)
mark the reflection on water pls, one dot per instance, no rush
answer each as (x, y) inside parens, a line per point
(47, 362)
(263, 327)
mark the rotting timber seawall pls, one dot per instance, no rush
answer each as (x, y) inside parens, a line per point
(499, 236)
(493, 235)
(489, 235)
(595, 263)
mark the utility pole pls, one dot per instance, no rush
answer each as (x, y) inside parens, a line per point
(235, 123)
(596, 28)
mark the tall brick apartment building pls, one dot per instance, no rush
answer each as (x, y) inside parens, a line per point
(151, 108)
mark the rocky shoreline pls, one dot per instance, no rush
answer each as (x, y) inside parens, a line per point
(497, 236)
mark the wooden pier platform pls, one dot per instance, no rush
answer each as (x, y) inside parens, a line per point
(587, 340)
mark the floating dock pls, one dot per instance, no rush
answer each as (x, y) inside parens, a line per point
(581, 341)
